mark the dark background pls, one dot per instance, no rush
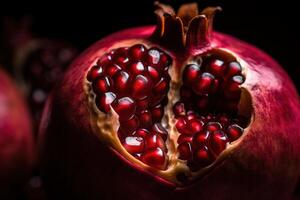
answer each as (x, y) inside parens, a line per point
(271, 26)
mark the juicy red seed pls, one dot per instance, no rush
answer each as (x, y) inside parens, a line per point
(203, 84)
(121, 61)
(142, 104)
(234, 83)
(103, 101)
(134, 144)
(94, 73)
(190, 73)
(152, 57)
(213, 126)
(184, 138)
(195, 125)
(142, 133)
(192, 115)
(203, 156)
(153, 141)
(185, 151)
(157, 113)
(140, 87)
(136, 68)
(223, 119)
(181, 126)
(234, 131)
(153, 74)
(215, 86)
(124, 107)
(160, 130)
(121, 81)
(102, 84)
(145, 119)
(218, 141)
(120, 57)
(216, 67)
(112, 69)
(165, 60)
(201, 138)
(155, 158)
(105, 59)
(179, 109)
(234, 68)
(130, 125)
(210, 117)
(156, 99)
(136, 52)
(161, 87)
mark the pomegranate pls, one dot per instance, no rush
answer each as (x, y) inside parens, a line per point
(38, 63)
(176, 111)
(16, 140)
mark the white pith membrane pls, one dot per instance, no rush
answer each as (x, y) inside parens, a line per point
(106, 125)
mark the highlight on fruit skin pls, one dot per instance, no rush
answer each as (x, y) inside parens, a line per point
(177, 110)
(16, 139)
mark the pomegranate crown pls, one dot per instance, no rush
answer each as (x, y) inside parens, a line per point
(189, 28)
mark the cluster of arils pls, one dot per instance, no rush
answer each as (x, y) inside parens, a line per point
(134, 82)
(206, 114)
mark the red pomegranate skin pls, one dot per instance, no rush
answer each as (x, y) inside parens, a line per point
(77, 165)
(16, 139)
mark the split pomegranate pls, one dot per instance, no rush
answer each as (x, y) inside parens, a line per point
(175, 111)
(16, 140)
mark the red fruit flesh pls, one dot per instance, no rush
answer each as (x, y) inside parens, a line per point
(16, 139)
(187, 113)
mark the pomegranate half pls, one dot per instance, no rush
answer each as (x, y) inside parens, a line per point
(16, 139)
(176, 111)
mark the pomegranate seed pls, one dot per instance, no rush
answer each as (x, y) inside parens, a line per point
(153, 141)
(120, 57)
(112, 69)
(192, 115)
(136, 68)
(153, 74)
(216, 67)
(156, 99)
(178, 109)
(218, 141)
(134, 144)
(223, 119)
(181, 126)
(124, 107)
(142, 133)
(190, 73)
(203, 84)
(142, 104)
(234, 68)
(201, 138)
(185, 151)
(105, 59)
(161, 87)
(136, 52)
(152, 57)
(103, 101)
(184, 138)
(234, 83)
(157, 113)
(164, 61)
(203, 156)
(234, 131)
(213, 126)
(121, 81)
(94, 73)
(102, 84)
(145, 119)
(130, 125)
(155, 158)
(140, 87)
(194, 126)
(160, 130)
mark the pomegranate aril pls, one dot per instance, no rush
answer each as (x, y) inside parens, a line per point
(181, 125)
(213, 126)
(161, 87)
(133, 144)
(234, 131)
(142, 104)
(233, 68)
(153, 141)
(136, 68)
(125, 107)
(136, 52)
(178, 109)
(102, 84)
(164, 61)
(105, 59)
(194, 126)
(130, 125)
(192, 115)
(203, 83)
(160, 130)
(202, 156)
(157, 113)
(218, 141)
(153, 74)
(140, 87)
(155, 158)
(201, 138)
(104, 101)
(152, 57)
(112, 69)
(142, 133)
(216, 67)
(190, 73)
(94, 73)
(185, 151)
(184, 138)
(121, 82)
(223, 119)
(145, 118)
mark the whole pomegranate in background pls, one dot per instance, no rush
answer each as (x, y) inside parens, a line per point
(16, 140)
(175, 111)
(37, 63)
